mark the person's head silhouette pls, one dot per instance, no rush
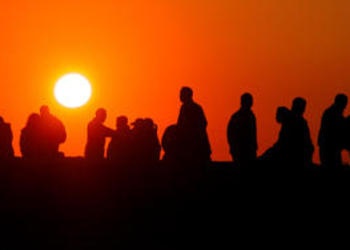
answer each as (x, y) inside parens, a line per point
(186, 94)
(282, 114)
(122, 121)
(298, 106)
(246, 101)
(340, 102)
(101, 115)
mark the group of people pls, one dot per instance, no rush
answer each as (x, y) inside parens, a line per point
(294, 145)
(184, 142)
(39, 139)
(139, 144)
(187, 140)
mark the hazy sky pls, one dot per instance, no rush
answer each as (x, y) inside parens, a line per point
(137, 55)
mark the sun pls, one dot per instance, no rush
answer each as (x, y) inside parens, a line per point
(72, 90)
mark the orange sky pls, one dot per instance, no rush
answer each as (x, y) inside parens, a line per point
(137, 54)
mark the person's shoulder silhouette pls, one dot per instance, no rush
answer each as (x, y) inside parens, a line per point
(241, 132)
(6, 149)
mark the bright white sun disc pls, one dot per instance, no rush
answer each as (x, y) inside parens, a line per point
(72, 90)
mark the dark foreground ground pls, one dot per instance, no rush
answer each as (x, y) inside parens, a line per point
(74, 204)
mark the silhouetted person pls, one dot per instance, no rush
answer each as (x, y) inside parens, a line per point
(330, 137)
(96, 136)
(192, 124)
(170, 144)
(6, 149)
(146, 146)
(30, 138)
(281, 151)
(302, 144)
(241, 133)
(53, 133)
(120, 147)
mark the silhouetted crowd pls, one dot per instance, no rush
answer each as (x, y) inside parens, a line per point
(186, 142)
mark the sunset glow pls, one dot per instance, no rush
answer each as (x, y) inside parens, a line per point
(137, 55)
(72, 90)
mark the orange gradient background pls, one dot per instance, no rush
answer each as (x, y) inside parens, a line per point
(137, 55)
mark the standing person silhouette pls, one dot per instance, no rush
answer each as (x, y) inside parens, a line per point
(303, 146)
(53, 133)
(192, 125)
(330, 137)
(6, 137)
(96, 136)
(241, 133)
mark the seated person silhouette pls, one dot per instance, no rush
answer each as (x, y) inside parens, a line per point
(6, 137)
(192, 124)
(96, 136)
(241, 133)
(119, 148)
(331, 134)
(303, 147)
(280, 152)
(53, 133)
(30, 141)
